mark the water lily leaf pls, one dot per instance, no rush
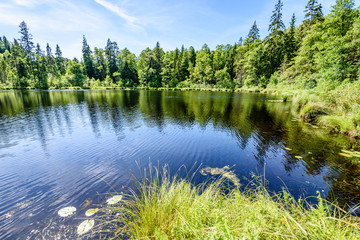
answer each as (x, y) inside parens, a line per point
(115, 199)
(85, 226)
(91, 212)
(298, 157)
(67, 211)
(344, 154)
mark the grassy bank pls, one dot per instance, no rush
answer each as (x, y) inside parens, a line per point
(171, 208)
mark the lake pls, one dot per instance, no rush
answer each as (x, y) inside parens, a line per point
(71, 148)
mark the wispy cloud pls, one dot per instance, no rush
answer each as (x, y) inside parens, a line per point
(26, 3)
(130, 20)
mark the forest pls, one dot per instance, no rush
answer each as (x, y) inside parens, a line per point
(316, 61)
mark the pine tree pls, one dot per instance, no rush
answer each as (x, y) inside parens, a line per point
(253, 34)
(26, 37)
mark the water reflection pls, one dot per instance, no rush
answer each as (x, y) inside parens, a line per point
(54, 143)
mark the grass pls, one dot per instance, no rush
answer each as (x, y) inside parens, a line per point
(173, 208)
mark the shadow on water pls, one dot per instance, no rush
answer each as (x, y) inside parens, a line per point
(60, 148)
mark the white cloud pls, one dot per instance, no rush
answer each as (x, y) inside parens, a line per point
(132, 21)
(26, 3)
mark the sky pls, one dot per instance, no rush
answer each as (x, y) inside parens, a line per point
(138, 24)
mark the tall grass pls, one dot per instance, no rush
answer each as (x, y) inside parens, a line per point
(173, 208)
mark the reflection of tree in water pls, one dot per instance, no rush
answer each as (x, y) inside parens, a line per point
(344, 179)
(150, 104)
(247, 117)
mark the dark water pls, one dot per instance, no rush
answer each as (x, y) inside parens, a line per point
(66, 148)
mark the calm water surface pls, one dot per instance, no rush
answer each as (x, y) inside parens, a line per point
(70, 148)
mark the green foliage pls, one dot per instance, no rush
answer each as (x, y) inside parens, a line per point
(74, 73)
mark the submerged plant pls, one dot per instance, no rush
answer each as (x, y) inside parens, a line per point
(224, 172)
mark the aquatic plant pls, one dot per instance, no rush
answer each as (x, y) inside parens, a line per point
(67, 211)
(85, 226)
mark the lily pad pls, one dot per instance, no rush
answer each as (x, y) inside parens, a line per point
(115, 199)
(67, 211)
(91, 212)
(85, 226)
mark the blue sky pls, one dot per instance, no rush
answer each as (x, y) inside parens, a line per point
(137, 24)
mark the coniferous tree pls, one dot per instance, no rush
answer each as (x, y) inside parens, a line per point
(6, 44)
(240, 42)
(49, 51)
(313, 12)
(343, 15)
(157, 65)
(26, 38)
(274, 43)
(111, 52)
(276, 23)
(253, 34)
(290, 41)
(59, 60)
(86, 53)
(38, 50)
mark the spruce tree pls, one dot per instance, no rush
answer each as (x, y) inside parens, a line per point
(111, 52)
(6, 44)
(26, 38)
(253, 34)
(58, 53)
(38, 50)
(313, 12)
(59, 60)
(49, 51)
(276, 23)
(290, 42)
(275, 41)
(89, 65)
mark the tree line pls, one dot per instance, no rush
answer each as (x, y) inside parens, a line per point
(322, 52)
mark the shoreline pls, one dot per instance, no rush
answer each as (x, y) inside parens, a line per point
(309, 108)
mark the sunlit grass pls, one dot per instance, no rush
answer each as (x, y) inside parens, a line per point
(165, 207)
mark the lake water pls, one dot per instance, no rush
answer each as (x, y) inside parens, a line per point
(70, 148)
